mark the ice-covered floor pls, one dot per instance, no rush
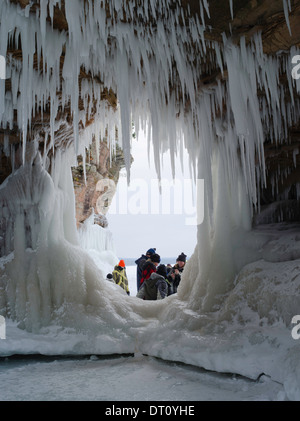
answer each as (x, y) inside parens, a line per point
(127, 378)
(263, 351)
(138, 378)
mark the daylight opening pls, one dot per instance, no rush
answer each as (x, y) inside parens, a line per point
(132, 217)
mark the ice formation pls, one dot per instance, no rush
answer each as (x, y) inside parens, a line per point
(155, 70)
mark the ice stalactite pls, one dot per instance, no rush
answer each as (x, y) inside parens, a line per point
(287, 9)
(235, 169)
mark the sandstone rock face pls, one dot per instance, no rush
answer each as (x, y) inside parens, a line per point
(280, 198)
(97, 191)
(266, 16)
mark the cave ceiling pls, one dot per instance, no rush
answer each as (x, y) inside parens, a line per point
(249, 17)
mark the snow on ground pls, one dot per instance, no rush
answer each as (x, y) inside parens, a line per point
(244, 338)
(138, 378)
(134, 377)
(127, 378)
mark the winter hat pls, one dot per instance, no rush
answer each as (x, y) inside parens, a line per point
(151, 251)
(109, 276)
(121, 263)
(181, 258)
(162, 270)
(155, 258)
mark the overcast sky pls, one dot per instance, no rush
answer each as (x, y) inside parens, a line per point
(140, 218)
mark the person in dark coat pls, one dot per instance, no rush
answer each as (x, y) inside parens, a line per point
(169, 267)
(169, 285)
(174, 275)
(140, 262)
(155, 287)
(149, 267)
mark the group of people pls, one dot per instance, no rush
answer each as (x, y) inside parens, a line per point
(155, 281)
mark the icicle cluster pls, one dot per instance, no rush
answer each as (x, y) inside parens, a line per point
(154, 63)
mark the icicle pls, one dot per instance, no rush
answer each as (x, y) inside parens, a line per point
(43, 16)
(287, 8)
(231, 8)
(206, 7)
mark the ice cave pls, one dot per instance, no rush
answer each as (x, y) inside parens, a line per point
(222, 79)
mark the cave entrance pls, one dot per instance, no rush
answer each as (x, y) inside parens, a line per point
(149, 212)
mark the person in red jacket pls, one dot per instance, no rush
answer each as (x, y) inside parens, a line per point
(149, 267)
(140, 263)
